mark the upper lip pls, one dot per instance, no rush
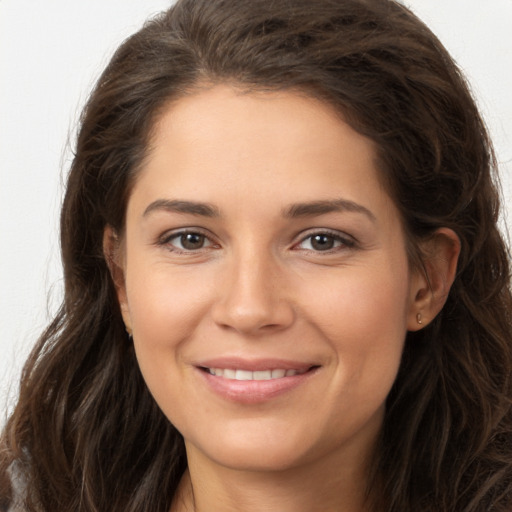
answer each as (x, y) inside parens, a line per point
(259, 364)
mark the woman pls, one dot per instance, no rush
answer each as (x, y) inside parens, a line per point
(284, 284)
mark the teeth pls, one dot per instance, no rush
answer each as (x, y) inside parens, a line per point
(257, 375)
(243, 375)
(262, 375)
(229, 374)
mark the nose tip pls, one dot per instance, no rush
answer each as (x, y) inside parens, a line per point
(252, 302)
(250, 319)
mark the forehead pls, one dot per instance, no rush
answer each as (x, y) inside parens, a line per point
(256, 126)
(252, 149)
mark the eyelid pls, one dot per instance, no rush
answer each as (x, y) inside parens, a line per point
(347, 241)
(167, 236)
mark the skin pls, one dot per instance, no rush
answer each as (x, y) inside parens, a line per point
(255, 284)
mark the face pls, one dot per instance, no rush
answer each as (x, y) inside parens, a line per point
(265, 279)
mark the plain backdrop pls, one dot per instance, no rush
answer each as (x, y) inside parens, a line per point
(50, 56)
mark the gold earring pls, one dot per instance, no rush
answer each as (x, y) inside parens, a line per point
(419, 319)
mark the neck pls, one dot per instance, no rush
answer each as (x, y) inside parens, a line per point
(325, 486)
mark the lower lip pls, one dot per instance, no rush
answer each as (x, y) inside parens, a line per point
(253, 391)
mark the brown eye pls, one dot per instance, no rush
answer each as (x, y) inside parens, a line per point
(187, 241)
(325, 241)
(192, 241)
(322, 242)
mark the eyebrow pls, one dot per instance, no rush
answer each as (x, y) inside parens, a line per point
(309, 209)
(315, 208)
(179, 206)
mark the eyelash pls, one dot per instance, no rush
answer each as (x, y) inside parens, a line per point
(343, 242)
(166, 240)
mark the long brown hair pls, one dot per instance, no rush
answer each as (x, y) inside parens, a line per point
(86, 434)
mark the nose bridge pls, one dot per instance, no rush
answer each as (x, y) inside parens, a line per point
(252, 292)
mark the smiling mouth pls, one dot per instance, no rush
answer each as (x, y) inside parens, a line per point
(237, 374)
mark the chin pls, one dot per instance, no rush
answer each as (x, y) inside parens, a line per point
(262, 451)
(257, 459)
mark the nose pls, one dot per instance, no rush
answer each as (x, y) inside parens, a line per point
(252, 296)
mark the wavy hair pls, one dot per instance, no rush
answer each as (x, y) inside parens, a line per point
(86, 435)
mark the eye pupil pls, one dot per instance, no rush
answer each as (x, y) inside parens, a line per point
(192, 241)
(322, 242)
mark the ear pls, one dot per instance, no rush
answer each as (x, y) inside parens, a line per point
(431, 284)
(114, 256)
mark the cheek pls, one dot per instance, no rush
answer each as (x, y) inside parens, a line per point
(164, 305)
(165, 309)
(360, 316)
(364, 302)
(364, 319)
(165, 313)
